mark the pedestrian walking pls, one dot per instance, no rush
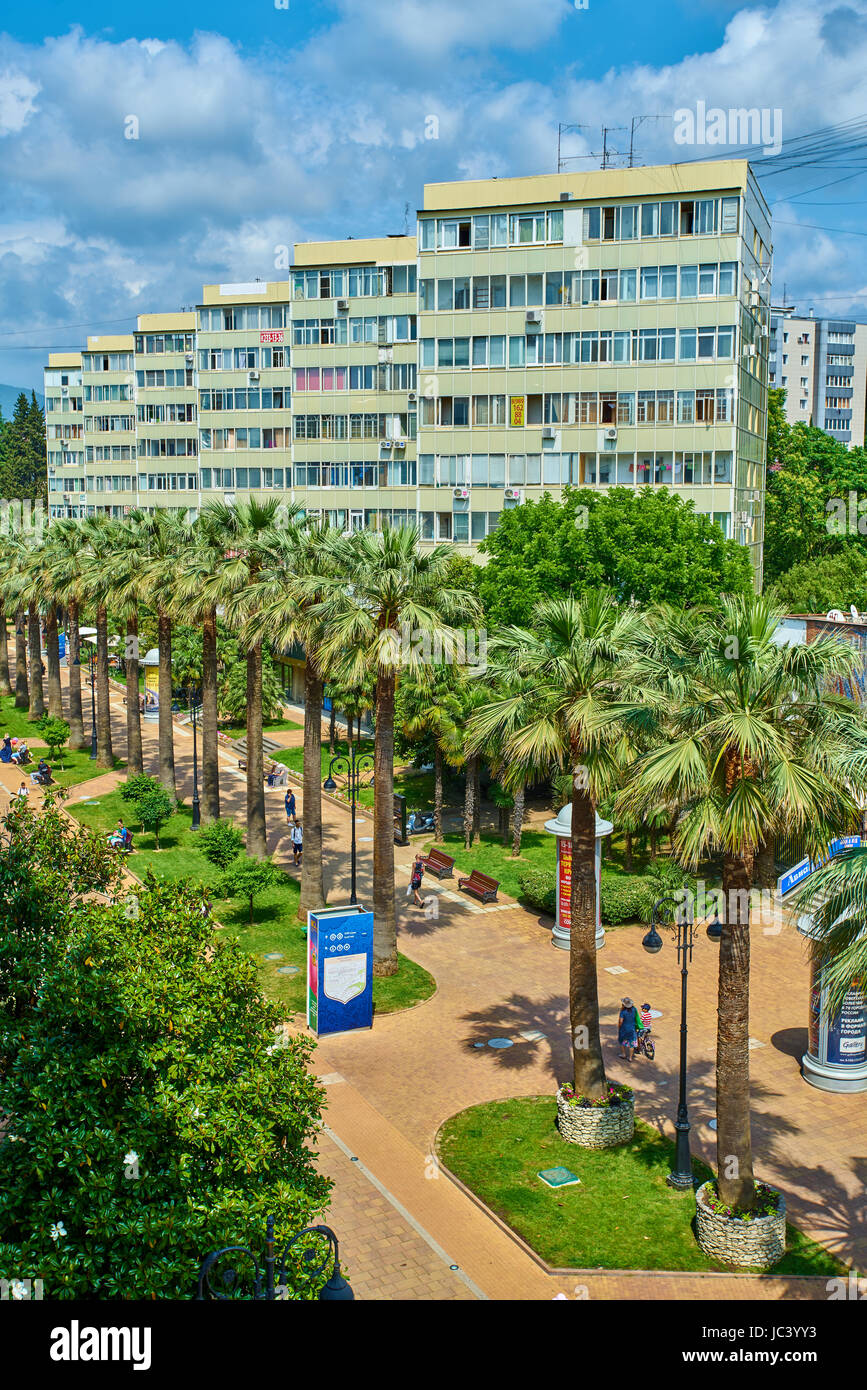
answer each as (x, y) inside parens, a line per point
(297, 842)
(289, 803)
(23, 792)
(415, 880)
(627, 1033)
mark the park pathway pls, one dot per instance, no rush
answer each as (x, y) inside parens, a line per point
(402, 1222)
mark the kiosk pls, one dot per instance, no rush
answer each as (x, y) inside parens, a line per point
(561, 826)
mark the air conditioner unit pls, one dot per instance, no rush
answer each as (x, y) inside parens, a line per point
(611, 433)
(82, 497)
(189, 357)
(64, 390)
(252, 376)
(534, 316)
(385, 443)
(514, 494)
(750, 350)
(398, 443)
(411, 397)
(754, 285)
(343, 306)
(549, 432)
(460, 492)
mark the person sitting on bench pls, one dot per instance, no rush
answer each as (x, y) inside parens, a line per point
(21, 754)
(41, 774)
(118, 836)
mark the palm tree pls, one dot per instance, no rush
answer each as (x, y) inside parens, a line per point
(67, 544)
(129, 578)
(296, 567)
(396, 600)
(836, 898)
(751, 744)
(45, 594)
(165, 535)
(429, 707)
(96, 586)
(248, 528)
(567, 711)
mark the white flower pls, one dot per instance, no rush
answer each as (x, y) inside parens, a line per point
(57, 1230)
(131, 1157)
(19, 1290)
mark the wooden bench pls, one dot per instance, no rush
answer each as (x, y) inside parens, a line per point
(440, 864)
(480, 885)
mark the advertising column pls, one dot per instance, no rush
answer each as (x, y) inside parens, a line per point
(561, 826)
(836, 1056)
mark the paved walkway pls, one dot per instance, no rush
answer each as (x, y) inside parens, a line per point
(389, 1090)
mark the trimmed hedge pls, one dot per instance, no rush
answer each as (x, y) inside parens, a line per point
(625, 897)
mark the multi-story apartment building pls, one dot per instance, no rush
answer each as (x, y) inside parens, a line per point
(64, 429)
(822, 366)
(599, 329)
(108, 381)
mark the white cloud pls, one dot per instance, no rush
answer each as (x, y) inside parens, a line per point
(17, 94)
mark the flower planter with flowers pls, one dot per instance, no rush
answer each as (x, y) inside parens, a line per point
(596, 1124)
(756, 1238)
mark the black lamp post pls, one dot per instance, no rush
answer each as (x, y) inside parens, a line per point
(680, 915)
(351, 767)
(336, 1289)
(192, 696)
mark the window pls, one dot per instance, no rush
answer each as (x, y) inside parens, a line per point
(650, 219)
(729, 215)
(688, 281)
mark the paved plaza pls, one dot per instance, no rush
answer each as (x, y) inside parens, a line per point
(406, 1230)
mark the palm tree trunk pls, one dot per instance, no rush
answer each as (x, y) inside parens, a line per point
(37, 698)
(22, 698)
(166, 728)
(438, 792)
(349, 729)
(5, 685)
(76, 718)
(52, 656)
(210, 742)
(477, 800)
(469, 794)
(312, 889)
(766, 869)
(733, 1140)
(583, 986)
(257, 836)
(134, 758)
(104, 750)
(517, 822)
(384, 916)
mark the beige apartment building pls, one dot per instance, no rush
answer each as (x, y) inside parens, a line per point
(821, 364)
(589, 329)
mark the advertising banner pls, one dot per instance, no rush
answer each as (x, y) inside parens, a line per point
(564, 883)
(792, 877)
(516, 411)
(847, 1033)
(151, 692)
(339, 969)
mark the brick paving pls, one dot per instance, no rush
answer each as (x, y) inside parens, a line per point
(498, 976)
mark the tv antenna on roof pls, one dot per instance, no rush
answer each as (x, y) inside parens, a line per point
(607, 154)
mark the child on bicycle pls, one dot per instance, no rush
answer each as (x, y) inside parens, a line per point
(645, 1018)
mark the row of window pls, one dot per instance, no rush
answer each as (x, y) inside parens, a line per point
(361, 282)
(559, 287)
(106, 362)
(226, 479)
(164, 342)
(380, 376)
(541, 470)
(168, 448)
(165, 376)
(710, 344)
(173, 413)
(386, 473)
(245, 398)
(168, 482)
(703, 406)
(685, 217)
(370, 425)
(66, 405)
(370, 328)
(108, 424)
(64, 431)
(113, 392)
(246, 438)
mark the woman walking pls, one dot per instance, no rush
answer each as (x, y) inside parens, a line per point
(627, 1034)
(415, 880)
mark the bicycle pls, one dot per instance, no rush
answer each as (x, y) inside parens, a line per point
(646, 1044)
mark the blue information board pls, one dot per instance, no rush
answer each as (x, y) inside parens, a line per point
(339, 969)
(792, 877)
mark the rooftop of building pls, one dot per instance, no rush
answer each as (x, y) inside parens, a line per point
(182, 320)
(378, 250)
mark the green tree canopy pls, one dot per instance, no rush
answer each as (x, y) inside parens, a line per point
(648, 546)
(825, 582)
(152, 1112)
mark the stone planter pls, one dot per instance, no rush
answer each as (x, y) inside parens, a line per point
(733, 1241)
(596, 1126)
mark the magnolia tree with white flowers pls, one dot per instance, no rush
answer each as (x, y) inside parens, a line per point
(147, 1116)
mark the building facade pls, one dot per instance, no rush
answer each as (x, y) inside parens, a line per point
(821, 364)
(587, 329)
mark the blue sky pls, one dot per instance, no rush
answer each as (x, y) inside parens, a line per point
(259, 126)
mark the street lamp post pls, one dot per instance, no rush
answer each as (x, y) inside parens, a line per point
(192, 696)
(351, 767)
(336, 1289)
(682, 918)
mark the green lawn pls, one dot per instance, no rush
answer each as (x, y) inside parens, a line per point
(69, 769)
(621, 1215)
(240, 730)
(538, 849)
(416, 786)
(275, 924)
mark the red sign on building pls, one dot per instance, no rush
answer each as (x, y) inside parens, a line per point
(271, 335)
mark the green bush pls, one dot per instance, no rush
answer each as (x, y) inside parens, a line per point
(221, 842)
(539, 888)
(626, 898)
